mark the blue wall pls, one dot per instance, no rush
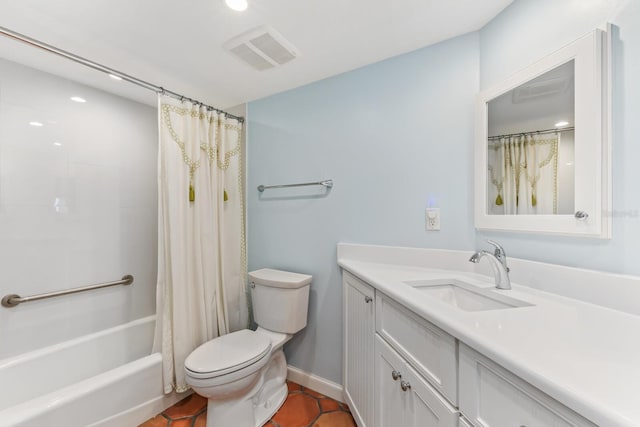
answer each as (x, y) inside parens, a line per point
(393, 136)
(397, 136)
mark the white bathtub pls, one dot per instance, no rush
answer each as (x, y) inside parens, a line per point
(109, 378)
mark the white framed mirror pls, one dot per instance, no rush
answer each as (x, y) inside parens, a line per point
(542, 162)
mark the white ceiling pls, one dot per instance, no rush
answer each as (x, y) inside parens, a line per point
(178, 44)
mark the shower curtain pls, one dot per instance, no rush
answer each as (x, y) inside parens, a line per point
(201, 242)
(523, 174)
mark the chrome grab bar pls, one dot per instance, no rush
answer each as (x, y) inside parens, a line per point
(13, 300)
(328, 183)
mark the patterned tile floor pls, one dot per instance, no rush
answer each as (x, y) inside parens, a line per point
(303, 408)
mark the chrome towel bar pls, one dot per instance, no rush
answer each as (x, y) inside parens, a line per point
(13, 300)
(328, 183)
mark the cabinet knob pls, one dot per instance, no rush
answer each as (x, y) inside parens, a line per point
(404, 385)
(581, 215)
(368, 299)
(395, 375)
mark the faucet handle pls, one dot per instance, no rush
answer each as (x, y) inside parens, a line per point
(499, 252)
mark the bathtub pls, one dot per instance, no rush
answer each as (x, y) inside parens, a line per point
(106, 379)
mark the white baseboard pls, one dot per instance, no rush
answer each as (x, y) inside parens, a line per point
(315, 383)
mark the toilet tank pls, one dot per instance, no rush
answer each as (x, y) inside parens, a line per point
(280, 299)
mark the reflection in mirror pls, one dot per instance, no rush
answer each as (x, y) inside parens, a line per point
(531, 146)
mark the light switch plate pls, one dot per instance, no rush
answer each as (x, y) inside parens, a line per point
(432, 219)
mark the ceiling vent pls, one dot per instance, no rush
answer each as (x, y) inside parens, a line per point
(262, 48)
(540, 88)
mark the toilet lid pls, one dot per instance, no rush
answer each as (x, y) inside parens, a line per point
(228, 353)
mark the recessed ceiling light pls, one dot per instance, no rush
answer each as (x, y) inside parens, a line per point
(36, 124)
(561, 124)
(57, 144)
(78, 99)
(114, 77)
(238, 5)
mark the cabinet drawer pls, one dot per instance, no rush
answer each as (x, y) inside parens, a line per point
(491, 396)
(430, 350)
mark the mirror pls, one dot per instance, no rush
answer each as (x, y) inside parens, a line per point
(542, 162)
(530, 145)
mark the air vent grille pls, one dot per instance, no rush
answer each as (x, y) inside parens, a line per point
(262, 48)
(245, 53)
(274, 50)
(539, 89)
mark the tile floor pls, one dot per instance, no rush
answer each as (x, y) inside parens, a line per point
(303, 408)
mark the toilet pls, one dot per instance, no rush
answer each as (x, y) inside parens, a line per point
(243, 374)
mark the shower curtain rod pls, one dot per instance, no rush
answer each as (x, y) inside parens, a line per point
(533, 131)
(80, 60)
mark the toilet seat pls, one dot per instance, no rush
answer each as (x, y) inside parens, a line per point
(241, 350)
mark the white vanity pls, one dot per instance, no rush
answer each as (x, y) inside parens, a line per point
(430, 342)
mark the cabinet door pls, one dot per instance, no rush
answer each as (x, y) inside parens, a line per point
(491, 396)
(424, 406)
(404, 398)
(359, 332)
(390, 400)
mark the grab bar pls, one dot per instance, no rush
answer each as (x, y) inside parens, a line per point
(13, 300)
(328, 183)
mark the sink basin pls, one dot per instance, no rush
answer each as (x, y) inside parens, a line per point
(464, 296)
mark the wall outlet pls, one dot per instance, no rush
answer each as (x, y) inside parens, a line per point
(432, 217)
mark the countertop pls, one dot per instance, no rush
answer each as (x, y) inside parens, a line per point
(583, 355)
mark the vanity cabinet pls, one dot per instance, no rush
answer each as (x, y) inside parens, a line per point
(359, 333)
(403, 397)
(401, 370)
(491, 396)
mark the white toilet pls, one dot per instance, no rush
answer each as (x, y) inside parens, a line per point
(243, 373)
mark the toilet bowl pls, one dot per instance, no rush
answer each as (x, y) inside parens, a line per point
(243, 374)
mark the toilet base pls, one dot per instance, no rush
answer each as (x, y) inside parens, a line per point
(274, 390)
(259, 404)
(230, 413)
(268, 409)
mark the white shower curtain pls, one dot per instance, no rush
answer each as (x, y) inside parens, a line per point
(201, 243)
(523, 172)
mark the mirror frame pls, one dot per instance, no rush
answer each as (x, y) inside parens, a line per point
(592, 152)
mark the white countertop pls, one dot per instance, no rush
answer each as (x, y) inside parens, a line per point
(583, 355)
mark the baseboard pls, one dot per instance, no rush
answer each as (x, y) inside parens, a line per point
(315, 383)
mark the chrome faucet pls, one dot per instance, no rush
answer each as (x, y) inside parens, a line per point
(498, 261)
